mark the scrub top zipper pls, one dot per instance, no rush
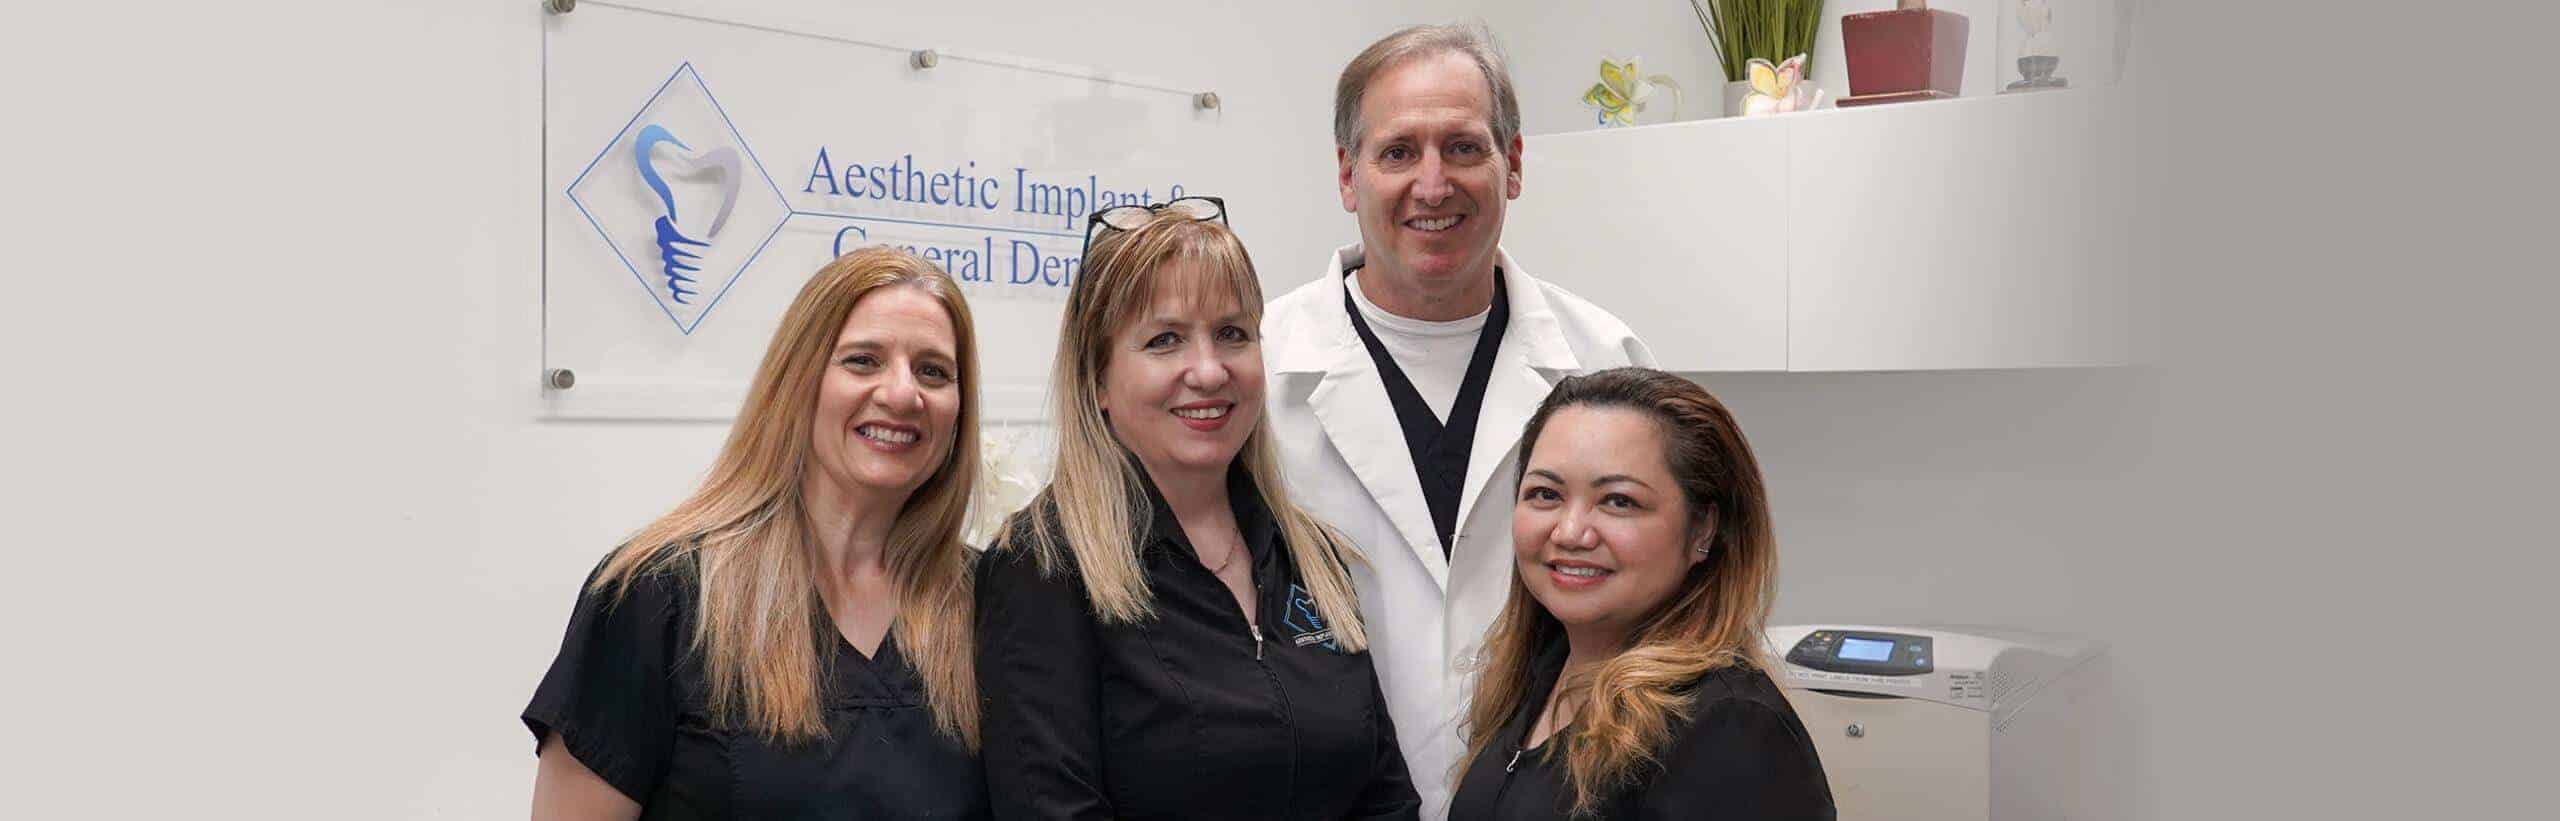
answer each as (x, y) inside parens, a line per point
(1505, 787)
(1519, 748)
(1253, 627)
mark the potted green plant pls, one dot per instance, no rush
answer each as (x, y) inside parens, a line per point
(1770, 31)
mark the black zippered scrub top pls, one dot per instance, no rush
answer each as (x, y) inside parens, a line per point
(1742, 756)
(628, 699)
(1190, 714)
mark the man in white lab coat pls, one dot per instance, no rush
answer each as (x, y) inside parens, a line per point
(1400, 379)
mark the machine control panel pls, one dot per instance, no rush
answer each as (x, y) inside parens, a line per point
(1860, 651)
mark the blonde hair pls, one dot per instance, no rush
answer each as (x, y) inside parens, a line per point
(1094, 484)
(762, 627)
(1716, 619)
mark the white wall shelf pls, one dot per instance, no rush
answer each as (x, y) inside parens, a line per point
(1977, 233)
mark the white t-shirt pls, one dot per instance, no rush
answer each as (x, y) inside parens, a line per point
(1433, 355)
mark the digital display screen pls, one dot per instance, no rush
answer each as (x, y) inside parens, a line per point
(1857, 649)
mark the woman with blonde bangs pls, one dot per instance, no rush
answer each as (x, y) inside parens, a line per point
(794, 639)
(1162, 633)
(1624, 677)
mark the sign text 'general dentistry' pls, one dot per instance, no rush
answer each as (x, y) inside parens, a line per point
(1039, 208)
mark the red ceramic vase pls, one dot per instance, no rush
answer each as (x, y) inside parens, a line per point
(1911, 53)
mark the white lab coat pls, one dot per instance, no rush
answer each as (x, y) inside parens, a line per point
(1347, 463)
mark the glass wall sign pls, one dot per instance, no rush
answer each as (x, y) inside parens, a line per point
(696, 172)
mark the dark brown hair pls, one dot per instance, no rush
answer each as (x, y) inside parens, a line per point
(1715, 619)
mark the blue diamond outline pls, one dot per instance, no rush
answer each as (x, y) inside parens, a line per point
(571, 192)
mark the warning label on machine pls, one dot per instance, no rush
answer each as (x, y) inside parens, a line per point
(1965, 686)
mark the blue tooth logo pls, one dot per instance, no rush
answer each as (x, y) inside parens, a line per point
(676, 250)
(680, 200)
(1305, 624)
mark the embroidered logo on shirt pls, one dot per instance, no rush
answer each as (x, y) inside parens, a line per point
(1305, 625)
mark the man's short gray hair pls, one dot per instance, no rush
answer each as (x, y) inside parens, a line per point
(1415, 42)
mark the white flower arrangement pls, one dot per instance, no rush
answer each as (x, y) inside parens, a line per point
(1008, 477)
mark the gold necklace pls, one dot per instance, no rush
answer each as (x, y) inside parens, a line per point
(1229, 560)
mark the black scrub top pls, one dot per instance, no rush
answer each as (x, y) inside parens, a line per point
(1188, 715)
(1742, 756)
(628, 700)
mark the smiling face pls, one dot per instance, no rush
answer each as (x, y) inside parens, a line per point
(1601, 531)
(1182, 385)
(889, 399)
(1429, 184)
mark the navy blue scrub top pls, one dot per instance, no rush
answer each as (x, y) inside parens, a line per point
(628, 699)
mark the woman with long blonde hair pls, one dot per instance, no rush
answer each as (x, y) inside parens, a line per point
(1162, 633)
(795, 639)
(1624, 677)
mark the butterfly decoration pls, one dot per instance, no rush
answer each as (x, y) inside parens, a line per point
(1622, 92)
(1778, 88)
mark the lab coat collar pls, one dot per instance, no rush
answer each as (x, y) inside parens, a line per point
(1328, 345)
(1533, 357)
(1351, 401)
(1335, 346)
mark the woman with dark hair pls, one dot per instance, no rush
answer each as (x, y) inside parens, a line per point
(1625, 677)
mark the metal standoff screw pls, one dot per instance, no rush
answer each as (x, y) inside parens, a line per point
(559, 6)
(1856, 731)
(923, 58)
(560, 379)
(1207, 100)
